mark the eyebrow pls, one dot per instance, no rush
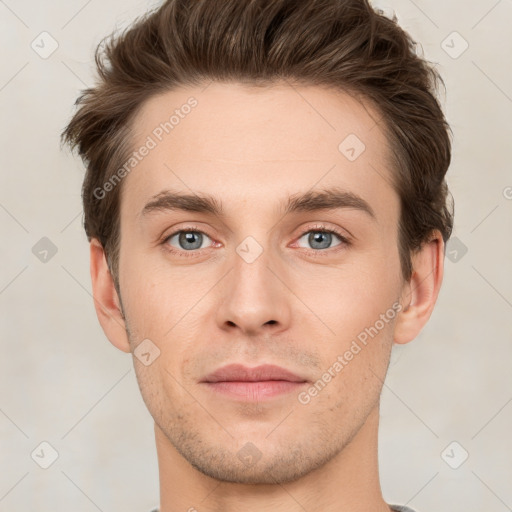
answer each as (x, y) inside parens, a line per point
(311, 201)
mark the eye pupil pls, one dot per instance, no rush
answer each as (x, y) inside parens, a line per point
(319, 237)
(188, 237)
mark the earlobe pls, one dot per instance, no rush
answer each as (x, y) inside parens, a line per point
(106, 301)
(421, 292)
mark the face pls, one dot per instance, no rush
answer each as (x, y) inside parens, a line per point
(293, 262)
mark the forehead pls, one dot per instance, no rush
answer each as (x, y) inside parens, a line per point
(258, 145)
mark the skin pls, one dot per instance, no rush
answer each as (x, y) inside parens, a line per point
(252, 149)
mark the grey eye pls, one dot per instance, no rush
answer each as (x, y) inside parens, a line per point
(319, 239)
(188, 240)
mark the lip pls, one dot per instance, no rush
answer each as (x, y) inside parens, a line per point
(241, 373)
(253, 384)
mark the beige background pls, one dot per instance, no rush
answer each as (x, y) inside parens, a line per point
(61, 381)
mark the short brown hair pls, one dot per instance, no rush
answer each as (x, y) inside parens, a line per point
(343, 44)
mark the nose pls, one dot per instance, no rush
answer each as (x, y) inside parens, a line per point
(254, 300)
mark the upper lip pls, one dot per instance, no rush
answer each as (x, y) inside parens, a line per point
(240, 373)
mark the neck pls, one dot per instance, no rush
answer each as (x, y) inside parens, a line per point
(349, 482)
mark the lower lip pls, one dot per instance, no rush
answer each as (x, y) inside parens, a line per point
(255, 391)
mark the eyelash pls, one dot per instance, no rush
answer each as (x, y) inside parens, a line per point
(317, 229)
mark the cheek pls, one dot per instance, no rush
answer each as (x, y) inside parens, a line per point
(350, 297)
(155, 294)
(359, 304)
(353, 373)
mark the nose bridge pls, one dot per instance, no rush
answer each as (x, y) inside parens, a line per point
(253, 297)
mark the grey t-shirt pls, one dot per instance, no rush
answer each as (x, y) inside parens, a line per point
(396, 508)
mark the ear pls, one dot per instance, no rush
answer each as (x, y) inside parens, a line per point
(421, 291)
(106, 301)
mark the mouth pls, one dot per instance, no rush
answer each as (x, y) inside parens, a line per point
(253, 384)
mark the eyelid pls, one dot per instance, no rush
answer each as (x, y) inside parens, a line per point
(323, 227)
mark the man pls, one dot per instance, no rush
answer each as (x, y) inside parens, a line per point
(297, 146)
